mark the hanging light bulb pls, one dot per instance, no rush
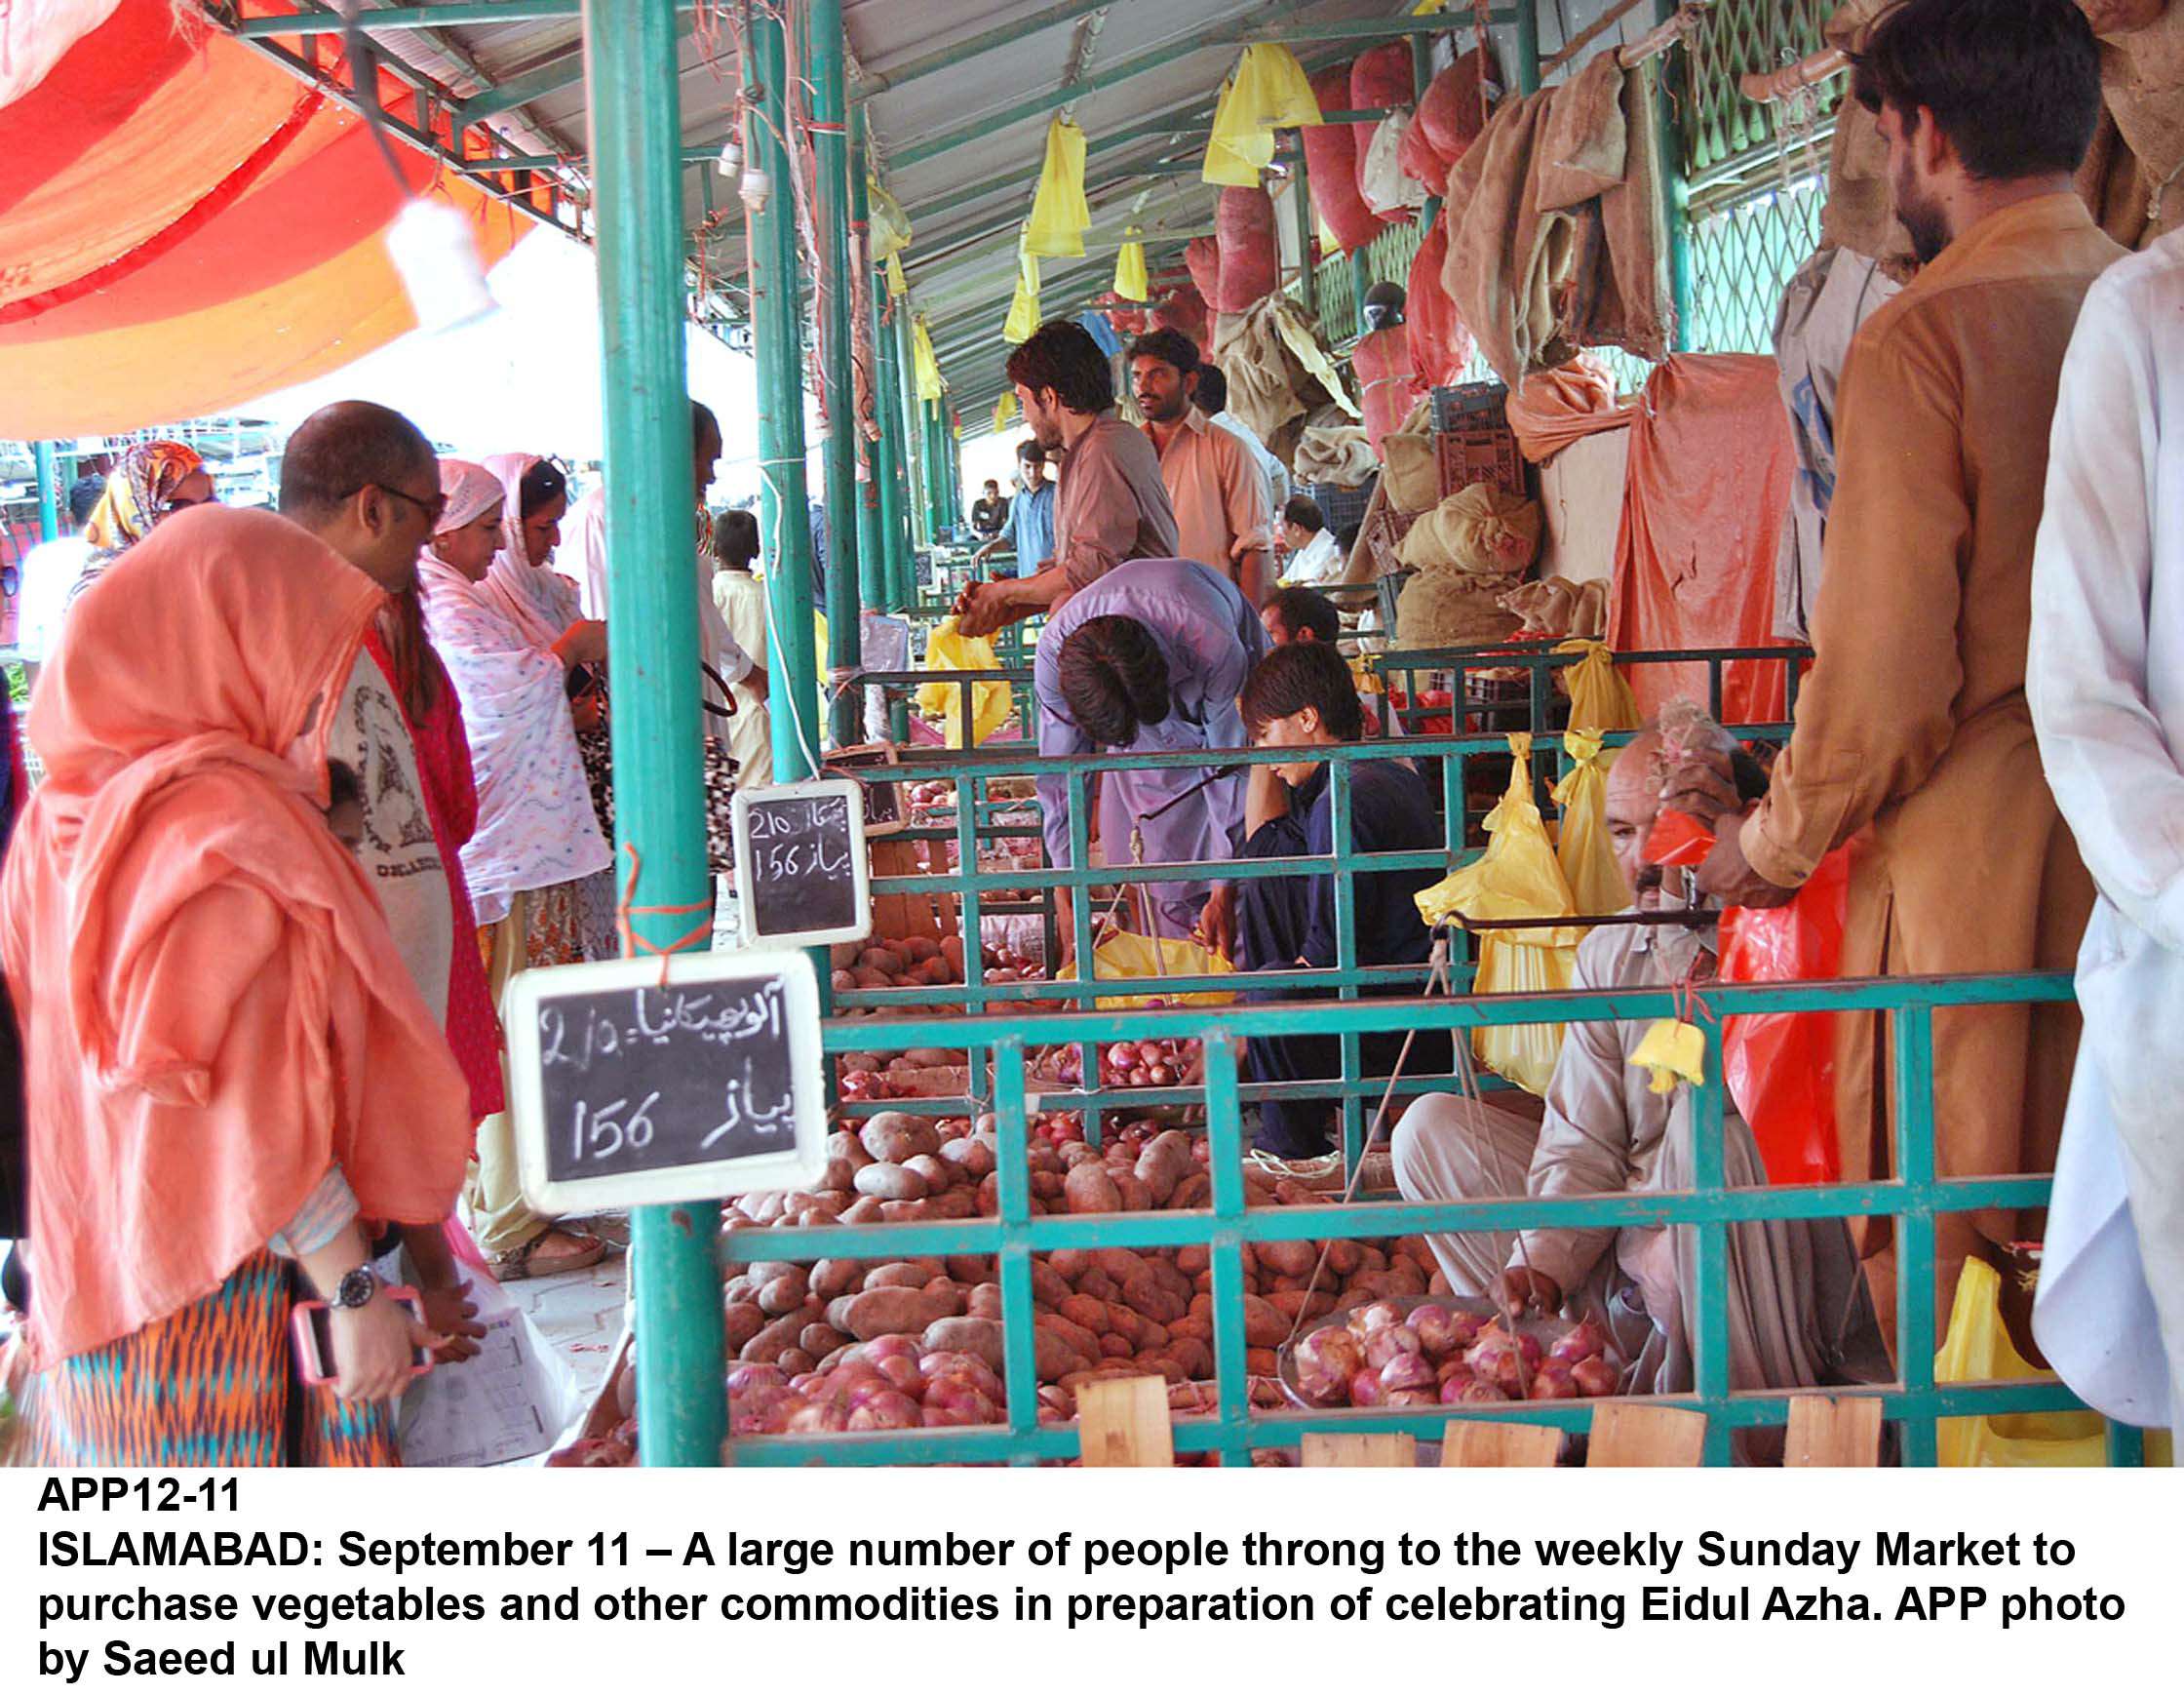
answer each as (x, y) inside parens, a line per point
(432, 248)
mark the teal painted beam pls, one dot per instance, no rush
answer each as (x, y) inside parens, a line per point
(792, 693)
(552, 77)
(653, 648)
(871, 515)
(315, 21)
(904, 590)
(1528, 46)
(47, 469)
(831, 214)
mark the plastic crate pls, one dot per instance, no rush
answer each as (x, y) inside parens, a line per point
(1479, 454)
(1339, 505)
(1469, 404)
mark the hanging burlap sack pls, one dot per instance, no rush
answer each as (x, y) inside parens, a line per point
(2142, 81)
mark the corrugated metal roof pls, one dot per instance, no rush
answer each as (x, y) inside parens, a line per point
(948, 90)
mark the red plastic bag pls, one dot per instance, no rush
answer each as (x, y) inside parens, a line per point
(1331, 166)
(1379, 80)
(1203, 260)
(1249, 256)
(1780, 1066)
(1440, 345)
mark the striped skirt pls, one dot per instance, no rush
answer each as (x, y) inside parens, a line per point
(214, 1384)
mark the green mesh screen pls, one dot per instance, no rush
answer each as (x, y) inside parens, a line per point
(1739, 37)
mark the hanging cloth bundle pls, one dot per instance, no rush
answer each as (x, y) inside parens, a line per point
(1060, 215)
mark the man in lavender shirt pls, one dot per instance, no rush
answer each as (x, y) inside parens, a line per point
(1149, 659)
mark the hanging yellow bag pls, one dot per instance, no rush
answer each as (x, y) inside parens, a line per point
(889, 222)
(898, 285)
(1130, 280)
(1582, 845)
(1125, 954)
(1005, 410)
(1978, 1349)
(1273, 89)
(990, 702)
(1516, 876)
(1024, 307)
(1600, 700)
(923, 365)
(1239, 148)
(1060, 215)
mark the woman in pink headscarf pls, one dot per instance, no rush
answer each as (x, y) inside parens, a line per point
(510, 631)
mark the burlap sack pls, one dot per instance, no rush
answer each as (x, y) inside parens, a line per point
(1409, 473)
(1445, 608)
(1585, 146)
(2142, 80)
(1480, 530)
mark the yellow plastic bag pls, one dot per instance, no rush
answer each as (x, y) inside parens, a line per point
(889, 224)
(1516, 876)
(990, 702)
(1273, 89)
(1582, 845)
(1600, 700)
(1239, 148)
(1059, 214)
(1024, 307)
(898, 285)
(1125, 954)
(1978, 1350)
(923, 363)
(1004, 409)
(1130, 280)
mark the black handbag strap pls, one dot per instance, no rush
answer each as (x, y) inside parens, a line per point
(721, 683)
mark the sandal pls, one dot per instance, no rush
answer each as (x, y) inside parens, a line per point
(549, 1254)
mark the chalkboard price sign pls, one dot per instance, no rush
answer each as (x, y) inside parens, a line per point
(868, 763)
(801, 869)
(628, 1090)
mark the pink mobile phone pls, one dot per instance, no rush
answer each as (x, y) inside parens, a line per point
(313, 1327)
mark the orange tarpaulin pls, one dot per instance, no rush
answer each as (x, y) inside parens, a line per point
(1710, 466)
(185, 227)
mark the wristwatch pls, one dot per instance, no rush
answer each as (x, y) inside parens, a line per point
(356, 1289)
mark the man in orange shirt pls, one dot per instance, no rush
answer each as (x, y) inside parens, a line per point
(1214, 484)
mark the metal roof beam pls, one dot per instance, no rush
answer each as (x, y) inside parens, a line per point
(1122, 70)
(940, 59)
(1270, 28)
(316, 20)
(556, 74)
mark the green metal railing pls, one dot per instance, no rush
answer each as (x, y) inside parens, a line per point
(1913, 1200)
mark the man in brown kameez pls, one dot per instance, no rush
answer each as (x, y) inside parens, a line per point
(1912, 729)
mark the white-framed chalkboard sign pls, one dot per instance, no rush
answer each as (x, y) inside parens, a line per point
(802, 872)
(626, 1090)
(865, 762)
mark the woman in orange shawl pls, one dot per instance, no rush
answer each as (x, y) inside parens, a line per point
(225, 1051)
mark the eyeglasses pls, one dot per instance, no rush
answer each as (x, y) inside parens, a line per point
(434, 509)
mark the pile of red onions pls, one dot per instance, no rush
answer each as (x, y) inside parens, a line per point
(1381, 1356)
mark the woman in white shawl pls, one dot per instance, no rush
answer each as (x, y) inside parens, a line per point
(508, 629)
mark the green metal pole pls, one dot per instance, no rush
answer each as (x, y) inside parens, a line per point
(913, 431)
(49, 490)
(1675, 191)
(630, 49)
(1360, 280)
(792, 693)
(1422, 78)
(894, 502)
(1528, 45)
(1302, 195)
(872, 507)
(830, 147)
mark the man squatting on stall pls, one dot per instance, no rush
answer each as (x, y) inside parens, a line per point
(1799, 1312)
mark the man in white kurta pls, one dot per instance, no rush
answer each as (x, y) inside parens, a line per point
(2105, 681)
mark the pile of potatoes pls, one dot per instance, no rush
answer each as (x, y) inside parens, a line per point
(913, 963)
(1098, 1312)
